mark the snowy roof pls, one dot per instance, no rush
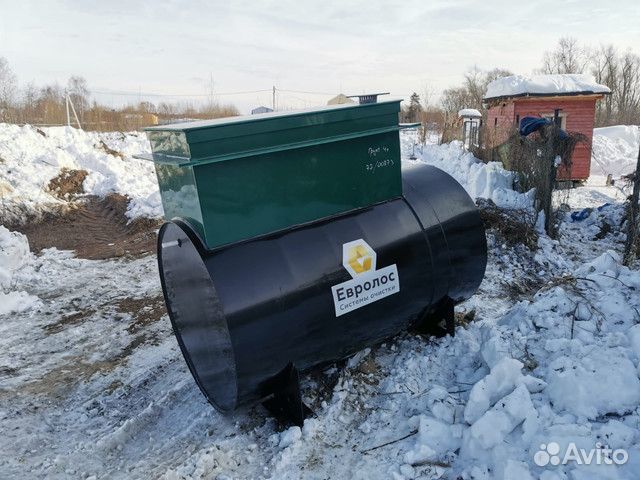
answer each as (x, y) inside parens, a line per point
(544, 85)
(469, 112)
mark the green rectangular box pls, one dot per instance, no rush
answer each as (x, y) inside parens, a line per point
(237, 178)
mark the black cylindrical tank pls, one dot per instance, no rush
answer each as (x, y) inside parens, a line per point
(318, 292)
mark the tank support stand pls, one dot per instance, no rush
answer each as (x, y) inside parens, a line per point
(438, 322)
(286, 404)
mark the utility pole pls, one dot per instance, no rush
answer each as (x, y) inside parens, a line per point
(632, 220)
(66, 102)
(211, 89)
(73, 109)
(273, 99)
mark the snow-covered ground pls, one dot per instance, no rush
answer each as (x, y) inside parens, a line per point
(31, 157)
(92, 383)
(615, 150)
(480, 180)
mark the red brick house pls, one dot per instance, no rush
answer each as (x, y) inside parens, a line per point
(509, 99)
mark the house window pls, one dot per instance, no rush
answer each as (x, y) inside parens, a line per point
(551, 116)
(518, 120)
(495, 122)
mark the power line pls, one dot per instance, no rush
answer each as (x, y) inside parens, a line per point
(244, 92)
(148, 94)
(272, 90)
(306, 92)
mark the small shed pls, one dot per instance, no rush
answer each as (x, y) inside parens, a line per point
(261, 109)
(471, 120)
(571, 97)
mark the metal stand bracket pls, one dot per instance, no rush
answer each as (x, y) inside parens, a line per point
(286, 402)
(439, 322)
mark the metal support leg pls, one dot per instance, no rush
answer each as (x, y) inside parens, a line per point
(439, 322)
(286, 403)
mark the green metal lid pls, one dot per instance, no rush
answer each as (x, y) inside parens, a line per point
(193, 143)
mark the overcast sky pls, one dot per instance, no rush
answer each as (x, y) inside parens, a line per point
(175, 47)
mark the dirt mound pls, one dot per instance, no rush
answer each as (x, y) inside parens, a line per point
(67, 182)
(95, 228)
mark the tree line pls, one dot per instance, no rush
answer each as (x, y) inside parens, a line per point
(47, 105)
(619, 70)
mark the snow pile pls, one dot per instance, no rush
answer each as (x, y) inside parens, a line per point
(615, 150)
(544, 84)
(594, 384)
(32, 157)
(561, 368)
(469, 112)
(14, 254)
(480, 180)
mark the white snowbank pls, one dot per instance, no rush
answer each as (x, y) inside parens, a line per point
(435, 439)
(544, 84)
(595, 384)
(505, 376)
(493, 427)
(615, 150)
(480, 180)
(31, 159)
(14, 254)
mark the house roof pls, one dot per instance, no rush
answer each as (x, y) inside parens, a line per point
(544, 86)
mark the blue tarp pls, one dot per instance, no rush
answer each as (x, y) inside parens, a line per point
(580, 215)
(528, 125)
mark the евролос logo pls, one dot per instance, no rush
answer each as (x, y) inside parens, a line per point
(358, 257)
(367, 284)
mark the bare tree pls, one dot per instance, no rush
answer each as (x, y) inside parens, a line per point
(428, 92)
(472, 92)
(567, 57)
(147, 107)
(626, 91)
(620, 72)
(166, 109)
(604, 67)
(79, 94)
(8, 91)
(476, 82)
(455, 99)
(29, 104)
(50, 106)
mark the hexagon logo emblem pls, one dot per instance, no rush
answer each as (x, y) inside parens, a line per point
(358, 257)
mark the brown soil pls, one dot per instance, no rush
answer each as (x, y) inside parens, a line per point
(68, 182)
(68, 320)
(95, 228)
(109, 150)
(144, 311)
(58, 382)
